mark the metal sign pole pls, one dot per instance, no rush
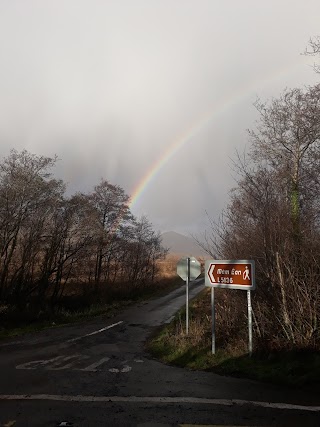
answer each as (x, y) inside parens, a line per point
(213, 322)
(187, 297)
(249, 321)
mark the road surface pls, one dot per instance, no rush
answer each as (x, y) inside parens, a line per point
(98, 374)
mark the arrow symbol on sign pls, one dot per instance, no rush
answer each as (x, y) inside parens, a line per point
(210, 273)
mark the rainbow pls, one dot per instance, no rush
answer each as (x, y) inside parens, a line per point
(178, 143)
(193, 130)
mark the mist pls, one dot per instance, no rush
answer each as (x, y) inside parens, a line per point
(110, 86)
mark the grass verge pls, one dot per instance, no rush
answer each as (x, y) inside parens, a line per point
(77, 308)
(16, 324)
(171, 345)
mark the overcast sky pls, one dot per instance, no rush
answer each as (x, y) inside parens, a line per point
(111, 86)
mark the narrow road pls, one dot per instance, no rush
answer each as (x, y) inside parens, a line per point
(98, 374)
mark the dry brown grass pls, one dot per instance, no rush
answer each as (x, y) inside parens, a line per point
(168, 266)
(197, 337)
(231, 323)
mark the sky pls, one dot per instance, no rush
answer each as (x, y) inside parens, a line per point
(153, 95)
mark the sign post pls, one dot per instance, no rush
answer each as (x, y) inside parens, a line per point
(187, 296)
(213, 322)
(231, 274)
(188, 269)
(249, 321)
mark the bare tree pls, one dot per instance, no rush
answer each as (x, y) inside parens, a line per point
(111, 204)
(145, 251)
(48, 240)
(314, 50)
(27, 196)
(273, 217)
(288, 140)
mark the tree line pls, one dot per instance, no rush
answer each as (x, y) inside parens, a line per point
(48, 240)
(273, 217)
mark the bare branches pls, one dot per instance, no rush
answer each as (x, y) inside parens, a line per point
(47, 240)
(314, 49)
(273, 217)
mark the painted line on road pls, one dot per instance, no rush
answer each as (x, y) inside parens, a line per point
(126, 368)
(96, 332)
(166, 400)
(93, 367)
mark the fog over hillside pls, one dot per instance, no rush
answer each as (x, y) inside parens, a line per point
(181, 245)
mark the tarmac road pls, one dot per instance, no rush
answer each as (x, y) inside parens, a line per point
(98, 374)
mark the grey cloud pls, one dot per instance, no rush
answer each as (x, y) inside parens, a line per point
(110, 86)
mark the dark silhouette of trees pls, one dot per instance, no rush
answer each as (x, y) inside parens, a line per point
(28, 196)
(48, 240)
(111, 206)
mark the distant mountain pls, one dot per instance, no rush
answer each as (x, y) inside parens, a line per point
(179, 244)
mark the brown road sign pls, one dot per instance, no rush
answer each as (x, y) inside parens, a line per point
(233, 274)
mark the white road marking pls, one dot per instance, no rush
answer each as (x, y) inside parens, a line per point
(126, 368)
(138, 360)
(165, 400)
(93, 367)
(59, 363)
(55, 362)
(65, 359)
(95, 332)
(38, 363)
(114, 370)
(9, 423)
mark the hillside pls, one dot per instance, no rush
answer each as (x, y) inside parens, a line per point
(179, 244)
